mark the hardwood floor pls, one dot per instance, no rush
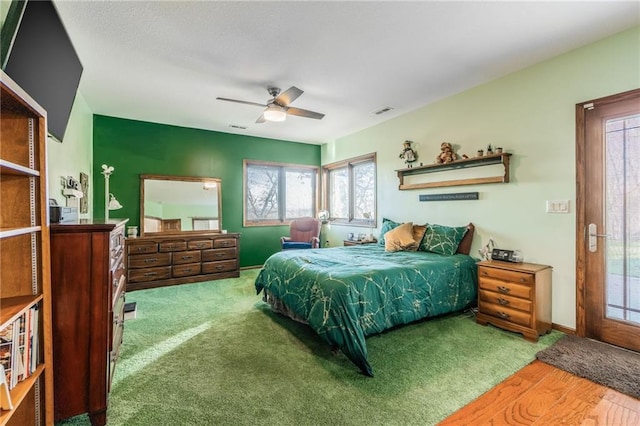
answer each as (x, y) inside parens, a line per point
(540, 394)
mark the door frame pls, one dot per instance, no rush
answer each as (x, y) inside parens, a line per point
(581, 221)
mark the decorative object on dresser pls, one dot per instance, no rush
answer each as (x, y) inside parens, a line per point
(88, 280)
(25, 286)
(515, 297)
(162, 260)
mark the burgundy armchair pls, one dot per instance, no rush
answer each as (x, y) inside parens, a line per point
(303, 233)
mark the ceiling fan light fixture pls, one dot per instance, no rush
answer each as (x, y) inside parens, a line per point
(275, 113)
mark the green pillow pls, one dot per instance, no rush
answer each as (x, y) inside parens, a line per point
(442, 239)
(387, 225)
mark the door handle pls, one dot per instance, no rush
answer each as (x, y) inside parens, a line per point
(593, 237)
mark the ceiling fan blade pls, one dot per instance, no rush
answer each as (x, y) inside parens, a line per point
(304, 113)
(261, 119)
(241, 102)
(288, 96)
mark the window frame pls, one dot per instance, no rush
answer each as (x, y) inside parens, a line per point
(283, 168)
(350, 164)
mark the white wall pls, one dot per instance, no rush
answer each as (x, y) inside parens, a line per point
(74, 154)
(531, 114)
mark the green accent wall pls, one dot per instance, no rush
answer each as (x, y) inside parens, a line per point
(136, 147)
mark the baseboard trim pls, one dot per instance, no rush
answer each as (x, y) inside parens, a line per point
(563, 329)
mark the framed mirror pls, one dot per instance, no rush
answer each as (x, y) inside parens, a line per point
(175, 204)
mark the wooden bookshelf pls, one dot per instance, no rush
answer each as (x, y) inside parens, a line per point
(487, 160)
(25, 257)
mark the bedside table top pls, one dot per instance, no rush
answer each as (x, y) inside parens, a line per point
(358, 242)
(512, 266)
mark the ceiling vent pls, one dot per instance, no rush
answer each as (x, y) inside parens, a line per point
(383, 110)
(235, 126)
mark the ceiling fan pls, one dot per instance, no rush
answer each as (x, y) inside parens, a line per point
(277, 108)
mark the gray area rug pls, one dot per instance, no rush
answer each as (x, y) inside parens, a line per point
(599, 362)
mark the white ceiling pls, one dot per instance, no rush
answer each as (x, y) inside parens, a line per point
(167, 62)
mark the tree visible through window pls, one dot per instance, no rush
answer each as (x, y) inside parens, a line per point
(277, 193)
(351, 190)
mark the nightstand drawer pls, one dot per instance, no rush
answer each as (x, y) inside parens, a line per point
(504, 300)
(506, 275)
(506, 314)
(506, 288)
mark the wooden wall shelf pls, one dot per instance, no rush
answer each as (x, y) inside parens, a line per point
(486, 160)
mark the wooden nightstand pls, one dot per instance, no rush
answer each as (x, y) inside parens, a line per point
(358, 243)
(515, 297)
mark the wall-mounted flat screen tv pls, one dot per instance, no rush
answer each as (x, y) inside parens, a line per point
(44, 63)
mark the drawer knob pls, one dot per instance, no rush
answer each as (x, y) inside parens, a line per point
(522, 280)
(504, 315)
(503, 289)
(150, 260)
(187, 257)
(502, 301)
(150, 274)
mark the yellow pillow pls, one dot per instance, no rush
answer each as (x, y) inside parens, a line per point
(418, 233)
(399, 238)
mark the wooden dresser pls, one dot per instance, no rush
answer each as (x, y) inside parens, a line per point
(185, 258)
(88, 280)
(515, 297)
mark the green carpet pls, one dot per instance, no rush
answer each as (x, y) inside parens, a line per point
(214, 354)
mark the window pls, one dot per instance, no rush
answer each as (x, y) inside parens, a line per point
(276, 193)
(351, 191)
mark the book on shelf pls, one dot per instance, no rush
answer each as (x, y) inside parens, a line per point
(6, 351)
(19, 347)
(5, 396)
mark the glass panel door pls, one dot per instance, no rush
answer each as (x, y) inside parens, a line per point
(622, 213)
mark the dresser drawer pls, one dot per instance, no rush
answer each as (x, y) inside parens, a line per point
(117, 322)
(186, 270)
(506, 275)
(224, 242)
(173, 246)
(215, 267)
(504, 300)
(506, 288)
(142, 248)
(117, 281)
(116, 243)
(150, 274)
(506, 314)
(186, 257)
(219, 254)
(200, 244)
(149, 260)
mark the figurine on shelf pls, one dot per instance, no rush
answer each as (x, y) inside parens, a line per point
(489, 150)
(447, 155)
(408, 154)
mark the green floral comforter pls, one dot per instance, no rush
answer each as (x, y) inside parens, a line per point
(348, 293)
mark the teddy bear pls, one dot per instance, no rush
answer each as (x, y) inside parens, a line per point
(447, 155)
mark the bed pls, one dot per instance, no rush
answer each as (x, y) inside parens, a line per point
(348, 293)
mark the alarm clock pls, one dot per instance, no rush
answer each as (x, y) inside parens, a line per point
(506, 255)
